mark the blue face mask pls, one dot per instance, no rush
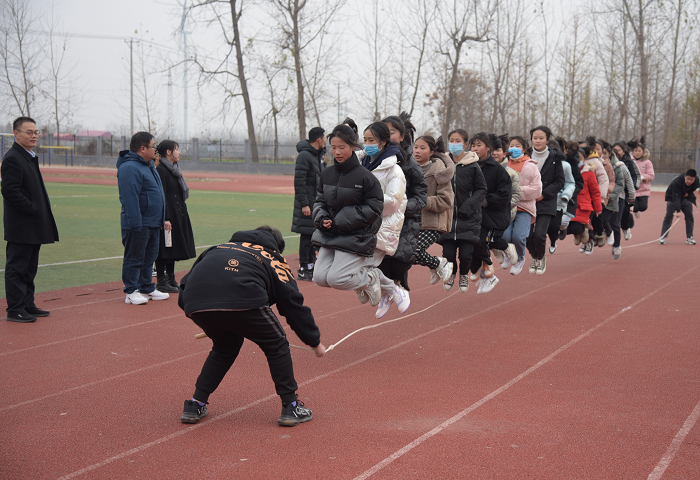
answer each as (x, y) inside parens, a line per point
(515, 152)
(372, 150)
(456, 149)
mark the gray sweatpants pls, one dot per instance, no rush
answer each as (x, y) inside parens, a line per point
(348, 271)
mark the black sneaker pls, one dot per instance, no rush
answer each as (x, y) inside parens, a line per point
(193, 412)
(305, 275)
(293, 415)
(37, 312)
(22, 318)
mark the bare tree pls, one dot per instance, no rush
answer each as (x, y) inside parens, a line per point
(277, 89)
(549, 52)
(21, 51)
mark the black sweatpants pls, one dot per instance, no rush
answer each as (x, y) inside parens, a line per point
(307, 252)
(686, 208)
(554, 225)
(537, 241)
(641, 204)
(228, 329)
(466, 252)
(626, 220)
(21, 264)
(488, 238)
(395, 270)
(575, 228)
(597, 223)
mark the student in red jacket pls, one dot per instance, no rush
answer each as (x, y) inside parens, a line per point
(588, 202)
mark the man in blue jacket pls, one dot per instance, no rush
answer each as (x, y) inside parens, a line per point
(142, 217)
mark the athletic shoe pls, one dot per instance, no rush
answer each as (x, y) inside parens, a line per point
(135, 298)
(450, 281)
(662, 241)
(486, 270)
(589, 247)
(499, 255)
(690, 241)
(617, 251)
(628, 234)
(474, 277)
(552, 247)
(562, 234)
(23, 318)
(488, 284)
(541, 266)
(506, 262)
(434, 277)
(463, 283)
(294, 413)
(636, 214)
(401, 299)
(37, 312)
(444, 271)
(361, 295)
(600, 240)
(373, 289)
(583, 248)
(193, 411)
(518, 267)
(481, 286)
(511, 254)
(611, 240)
(383, 307)
(157, 295)
(533, 266)
(305, 275)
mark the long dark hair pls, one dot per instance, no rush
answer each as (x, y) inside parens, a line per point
(346, 134)
(382, 134)
(437, 146)
(403, 124)
(350, 123)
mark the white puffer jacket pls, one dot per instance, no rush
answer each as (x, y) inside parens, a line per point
(393, 184)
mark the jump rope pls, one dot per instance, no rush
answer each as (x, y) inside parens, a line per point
(369, 327)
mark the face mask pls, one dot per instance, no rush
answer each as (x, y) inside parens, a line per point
(372, 150)
(456, 149)
(515, 152)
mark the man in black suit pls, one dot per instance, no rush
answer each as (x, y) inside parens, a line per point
(28, 221)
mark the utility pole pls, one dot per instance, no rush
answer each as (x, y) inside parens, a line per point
(339, 119)
(183, 35)
(131, 80)
(170, 121)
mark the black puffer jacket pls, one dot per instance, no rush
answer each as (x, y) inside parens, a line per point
(352, 197)
(469, 186)
(306, 175)
(499, 187)
(573, 160)
(417, 193)
(553, 181)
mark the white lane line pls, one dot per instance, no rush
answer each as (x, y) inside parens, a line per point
(675, 444)
(426, 436)
(113, 258)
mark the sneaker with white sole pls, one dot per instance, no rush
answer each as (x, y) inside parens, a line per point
(401, 298)
(383, 306)
(533, 265)
(662, 241)
(499, 254)
(611, 240)
(583, 248)
(506, 263)
(449, 283)
(444, 271)
(463, 283)
(628, 234)
(518, 267)
(487, 270)
(373, 289)
(589, 247)
(135, 298)
(553, 247)
(158, 295)
(474, 277)
(294, 413)
(636, 214)
(361, 295)
(690, 241)
(541, 266)
(488, 284)
(617, 252)
(434, 277)
(511, 254)
(481, 286)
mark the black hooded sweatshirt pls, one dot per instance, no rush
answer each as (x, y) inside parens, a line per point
(247, 273)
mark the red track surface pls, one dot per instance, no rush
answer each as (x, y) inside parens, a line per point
(586, 372)
(196, 180)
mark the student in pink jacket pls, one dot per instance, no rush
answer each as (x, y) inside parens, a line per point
(646, 169)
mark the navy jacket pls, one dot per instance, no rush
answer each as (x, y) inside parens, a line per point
(140, 192)
(676, 191)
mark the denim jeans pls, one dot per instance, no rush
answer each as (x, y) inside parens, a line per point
(518, 231)
(140, 251)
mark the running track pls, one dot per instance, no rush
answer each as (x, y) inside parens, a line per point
(590, 371)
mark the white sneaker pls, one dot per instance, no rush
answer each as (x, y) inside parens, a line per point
(628, 234)
(511, 254)
(361, 295)
(401, 298)
(690, 241)
(541, 266)
(383, 307)
(463, 283)
(617, 252)
(158, 295)
(518, 267)
(481, 286)
(488, 284)
(373, 289)
(637, 215)
(553, 247)
(506, 262)
(611, 240)
(499, 255)
(444, 271)
(434, 277)
(533, 265)
(135, 298)
(450, 281)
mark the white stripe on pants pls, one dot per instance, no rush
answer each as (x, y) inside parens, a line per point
(348, 271)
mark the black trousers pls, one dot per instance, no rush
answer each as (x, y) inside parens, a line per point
(686, 208)
(626, 217)
(537, 241)
(228, 330)
(165, 267)
(488, 238)
(575, 228)
(641, 204)
(466, 251)
(307, 252)
(554, 225)
(597, 223)
(21, 264)
(395, 270)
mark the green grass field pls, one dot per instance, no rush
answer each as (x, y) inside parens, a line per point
(89, 227)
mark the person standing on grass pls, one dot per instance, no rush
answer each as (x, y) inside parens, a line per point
(142, 218)
(27, 219)
(307, 173)
(680, 197)
(229, 293)
(177, 220)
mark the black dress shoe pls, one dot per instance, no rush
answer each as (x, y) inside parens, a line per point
(37, 312)
(22, 318)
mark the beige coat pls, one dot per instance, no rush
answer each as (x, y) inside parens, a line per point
(437, 215)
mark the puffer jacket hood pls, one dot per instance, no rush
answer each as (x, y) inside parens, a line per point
(393, 183)
(468, 159)
(305, 146)
(258, 237)
(140, 192)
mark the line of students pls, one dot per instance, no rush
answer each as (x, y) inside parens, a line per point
(385, 202)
